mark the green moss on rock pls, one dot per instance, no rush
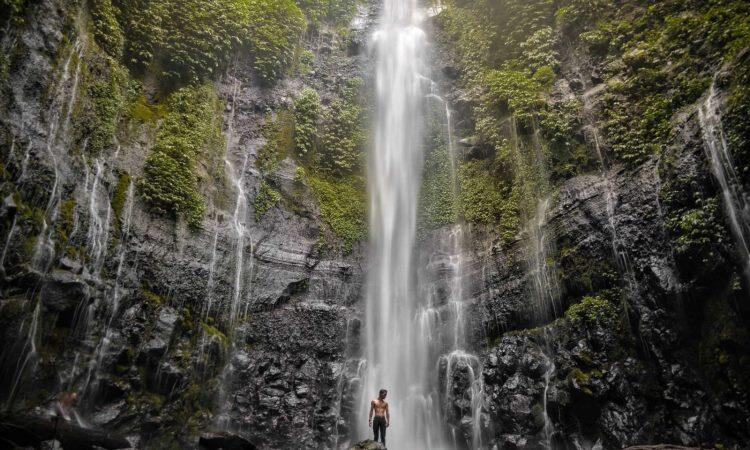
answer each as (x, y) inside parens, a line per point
(265, 199)
(189, 132)
(342, 207)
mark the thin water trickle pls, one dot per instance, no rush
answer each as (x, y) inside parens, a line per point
(545, 291)
(61, 111)
(211, 274)
(25, 163)
(545, 298)
(28, 353)
(98, 231)
(242, 278)
(239, 220)
(619, 249)
(8, 240)
(549, 427)
(734, 197)
(93, 371)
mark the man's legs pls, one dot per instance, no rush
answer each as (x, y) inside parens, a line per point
(378, 426)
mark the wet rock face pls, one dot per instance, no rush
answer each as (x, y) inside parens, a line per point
(132, 336)
(653, 375)
(611, 234)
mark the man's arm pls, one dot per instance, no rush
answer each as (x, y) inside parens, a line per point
(387, 416)
(372, 405)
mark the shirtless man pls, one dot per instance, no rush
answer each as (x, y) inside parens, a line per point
(382, 416)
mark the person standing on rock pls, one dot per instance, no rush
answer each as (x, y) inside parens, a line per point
(382, 416)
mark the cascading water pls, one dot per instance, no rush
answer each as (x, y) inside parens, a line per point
(415, 337)
(234, 308)
(545, 298)
(98, 231)
(735, 199)
(61, 111)
(7, 244)
(63, 100)
(112, 308)
(395, 350)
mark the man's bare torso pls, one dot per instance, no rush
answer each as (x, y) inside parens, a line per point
(379, 407)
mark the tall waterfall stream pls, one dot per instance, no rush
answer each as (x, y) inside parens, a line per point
(410, 349)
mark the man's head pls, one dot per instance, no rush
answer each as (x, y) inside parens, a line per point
(382, 394)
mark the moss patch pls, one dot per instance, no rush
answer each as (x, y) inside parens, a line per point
(342, 207)
(189, 131)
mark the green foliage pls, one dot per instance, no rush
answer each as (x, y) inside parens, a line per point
(514, 91)
(559, 124)
(698, 232)
(278, 132)
(189, 130)
(140, 110)
(266, 198)
(343, 134)
(152, 298)
(107, 30)
(275, 27)
(307, 112)
(12, 10)
(334, 12)
(191, 40)
(342, 207)
(485, 199)
(539, 50)
(215, 333)
(66, 222)
(198, 36)
(437, 199)
(327, 145)
(119, 197)
(101, 107)
(306, 61)
(470, 36)
(573, 16)
(661, 60)
(593, 311)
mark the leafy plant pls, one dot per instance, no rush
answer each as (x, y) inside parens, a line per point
(307, 111)
(189, 130)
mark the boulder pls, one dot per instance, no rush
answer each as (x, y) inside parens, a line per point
(368, 445)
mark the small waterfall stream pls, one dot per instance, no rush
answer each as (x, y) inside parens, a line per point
(233, 308)
(735, 199)
(545, 300)
(60, 111)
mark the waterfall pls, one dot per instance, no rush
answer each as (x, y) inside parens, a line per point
(242, 279)
(619, 249)
(545, 300)
(93, 374)
(395, 349)
(61, 111)
(736, 204)
(7, 243)
(98, 231)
